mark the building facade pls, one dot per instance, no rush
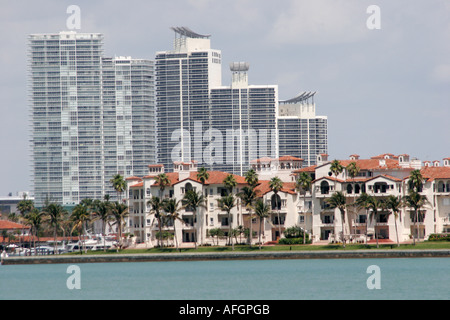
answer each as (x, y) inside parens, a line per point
(185, 75)
(225, 127)
(379, 176)
(86, 111)
(301, 132)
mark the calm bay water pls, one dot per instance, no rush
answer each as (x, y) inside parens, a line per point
(415, 278)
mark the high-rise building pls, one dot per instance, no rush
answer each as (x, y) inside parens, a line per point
(301, 133)
(184, 77)
(243, 119)
(201, 120)
(87, 116)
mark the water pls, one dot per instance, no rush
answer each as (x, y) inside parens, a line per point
(409, 278)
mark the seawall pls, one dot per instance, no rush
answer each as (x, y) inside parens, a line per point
(149, 257)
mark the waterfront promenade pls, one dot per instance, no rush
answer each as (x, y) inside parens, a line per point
(204, 256)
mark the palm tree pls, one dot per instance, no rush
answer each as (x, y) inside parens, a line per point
(336, 168)
(248, 197)
(352, 170)
(119, 212)
(252, 178)
(230, 182)
(338, 200)
(202, 175)
(119, 184)
(102, 211)
(227, 203)
(80, 216)
(363, 203)
(163, 181)
(54, 213)
(172, 208)
(415, 201)
(415, 180)
(34, 220)
(303, 184)
(276, 185)
(375, 204)
(262, 210)
(194, 201)
(156, 208)
(393, 203)
(249, 194)
(25, 206)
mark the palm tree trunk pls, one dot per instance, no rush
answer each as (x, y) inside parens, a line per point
(195, 228)
(229, 232)
(250, 236)
(343, 237)
(415, 229)
(396, 231)
(260, 227)
(175, 235)
(375, 229)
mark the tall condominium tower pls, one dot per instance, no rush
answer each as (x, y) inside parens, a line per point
(87, 115)
(199, 119)
(226, 127)
(184, 77)
(300, 132)
(243, 119)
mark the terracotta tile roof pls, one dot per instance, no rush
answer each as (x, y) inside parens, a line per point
(7, 225)
(263, 187)
(140, 184)
(386, 176)
(215, 177)
(289, 158)
(133, 178)
(432, 173)
(173, 177)
(307, 169)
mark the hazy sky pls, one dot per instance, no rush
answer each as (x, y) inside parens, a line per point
(384, 91)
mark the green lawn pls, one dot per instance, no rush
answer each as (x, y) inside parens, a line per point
(239, 248)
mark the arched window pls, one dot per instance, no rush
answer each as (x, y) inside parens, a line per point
(380, 187)
(324, 187)
(349, 189)
(276, 202)
(188, 186)
(357, 188)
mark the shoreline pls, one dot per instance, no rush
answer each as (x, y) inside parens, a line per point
(211, 256)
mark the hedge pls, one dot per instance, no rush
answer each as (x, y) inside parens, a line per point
(439, 237)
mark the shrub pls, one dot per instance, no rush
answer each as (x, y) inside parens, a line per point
(439, 237)
(292, 240)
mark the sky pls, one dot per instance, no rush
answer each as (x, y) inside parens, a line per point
(384, 90)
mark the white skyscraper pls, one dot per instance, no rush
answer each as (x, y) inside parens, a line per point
(301, 133)
(87, 115)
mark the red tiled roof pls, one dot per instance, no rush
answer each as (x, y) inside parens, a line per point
(133, 178)
(263, 187)
(140, 184)
(433, 173)
(216, 177)
(7, 225)
(307, 169)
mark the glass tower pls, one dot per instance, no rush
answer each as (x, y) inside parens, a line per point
(86, 113)
(301, 133)
(184, 78)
